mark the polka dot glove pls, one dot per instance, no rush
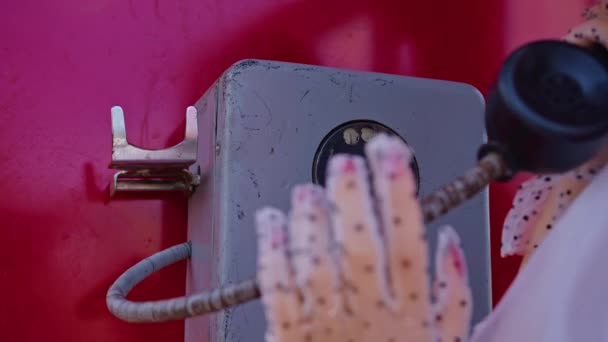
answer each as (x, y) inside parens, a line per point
(349, 266)
(541, 201)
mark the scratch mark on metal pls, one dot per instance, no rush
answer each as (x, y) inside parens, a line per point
(305, 93)
(227, 322)
(382, 82)
(336, 81)
(268, 110)
(310, 69)
(254, 181)
(246, 64)
(240, 214)
(269, 66)
(281, 131)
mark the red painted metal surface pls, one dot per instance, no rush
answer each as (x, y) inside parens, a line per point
(63, 63)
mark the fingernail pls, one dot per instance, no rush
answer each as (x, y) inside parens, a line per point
(348, 166)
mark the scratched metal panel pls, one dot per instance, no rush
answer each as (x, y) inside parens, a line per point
(270, 118)
(201, 208)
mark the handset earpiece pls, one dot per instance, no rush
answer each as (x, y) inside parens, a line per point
(548, 110)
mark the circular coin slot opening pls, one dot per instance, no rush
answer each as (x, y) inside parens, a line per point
(350, 138)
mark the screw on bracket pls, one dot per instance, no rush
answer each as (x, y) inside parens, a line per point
(143, 170)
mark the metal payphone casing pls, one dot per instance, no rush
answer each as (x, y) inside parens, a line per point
(259, 128)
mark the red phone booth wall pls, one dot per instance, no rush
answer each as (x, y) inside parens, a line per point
(64, 63)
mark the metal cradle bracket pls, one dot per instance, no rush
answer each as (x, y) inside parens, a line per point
(143, 170)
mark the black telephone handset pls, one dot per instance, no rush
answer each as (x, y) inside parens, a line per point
(548, 110)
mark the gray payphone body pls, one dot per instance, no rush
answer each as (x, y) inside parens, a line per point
(266, 126)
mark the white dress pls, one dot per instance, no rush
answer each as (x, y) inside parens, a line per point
(562, 293)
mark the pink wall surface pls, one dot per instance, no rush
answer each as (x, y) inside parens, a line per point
(64, 63)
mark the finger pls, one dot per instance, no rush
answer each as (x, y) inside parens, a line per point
(453, 307)
(559, 197)
(356, 232)
(565, 191)
(404, 230)
(316, 271)
(275, 277)
(529, 206)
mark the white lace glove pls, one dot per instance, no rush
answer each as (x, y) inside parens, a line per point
(348, 266)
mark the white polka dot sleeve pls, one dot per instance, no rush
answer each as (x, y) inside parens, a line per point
(350, 262)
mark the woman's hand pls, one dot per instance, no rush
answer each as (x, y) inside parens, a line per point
(346, 265)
